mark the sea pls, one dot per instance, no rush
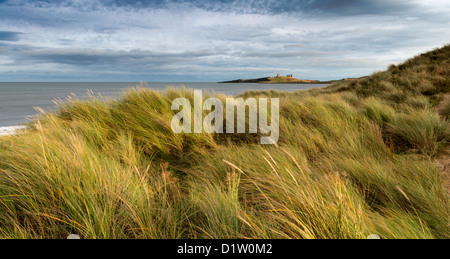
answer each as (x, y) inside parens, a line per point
(18, 100)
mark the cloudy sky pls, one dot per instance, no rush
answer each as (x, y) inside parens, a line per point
(206, 40)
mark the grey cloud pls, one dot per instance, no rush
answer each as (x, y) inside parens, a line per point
(283, 54)
(340, 7)
(110, 59)
(236, 32)
(9, 35)
(347, 7)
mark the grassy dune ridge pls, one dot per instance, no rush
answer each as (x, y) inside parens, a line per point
(353, 159)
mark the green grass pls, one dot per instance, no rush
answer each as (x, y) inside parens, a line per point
(353, 159)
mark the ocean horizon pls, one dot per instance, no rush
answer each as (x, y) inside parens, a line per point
(19, 100)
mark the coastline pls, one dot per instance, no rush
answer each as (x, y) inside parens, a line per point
(10, 130)
(279, 80)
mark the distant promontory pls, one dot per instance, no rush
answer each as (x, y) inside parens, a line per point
(289, 79)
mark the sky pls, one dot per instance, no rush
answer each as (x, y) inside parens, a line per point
(206, 40)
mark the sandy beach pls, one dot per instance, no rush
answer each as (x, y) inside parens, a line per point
(11, 130)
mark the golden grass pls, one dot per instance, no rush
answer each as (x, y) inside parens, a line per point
(353, 159)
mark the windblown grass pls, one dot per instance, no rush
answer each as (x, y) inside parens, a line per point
(352, 159)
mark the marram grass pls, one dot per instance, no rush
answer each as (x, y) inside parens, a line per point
(353, 159)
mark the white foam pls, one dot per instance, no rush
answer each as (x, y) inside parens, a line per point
(10, 130)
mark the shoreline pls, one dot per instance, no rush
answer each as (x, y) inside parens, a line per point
(268, 80)
(10, 130)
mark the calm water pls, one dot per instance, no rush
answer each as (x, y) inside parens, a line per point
(17, 100)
